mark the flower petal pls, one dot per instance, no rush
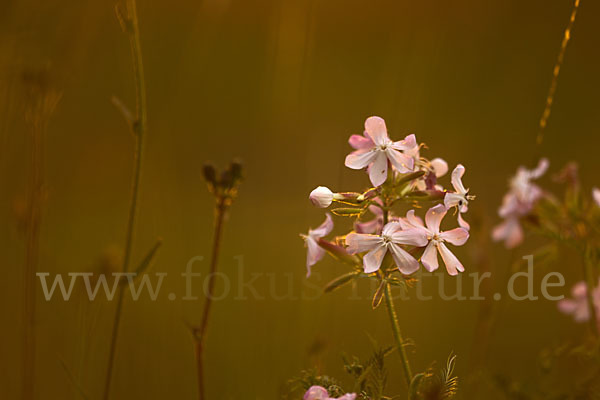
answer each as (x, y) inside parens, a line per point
(510, 232)
(462, 223)
(373, 259)
(456, 236)
(359, 142)
(360, 159)
(540, 170)
(453, 266)
(314, 253)
(433, 218)
(413, 237)
(408, 143)
(440, 167)
(406, 263)
(316, 393)
(371, 226)
(376, 129)
(324, 229)
(378, 170)
(596, 195)
(399, 160)
(359, 242)
(430, 258)
(453, 200)
(456, 179)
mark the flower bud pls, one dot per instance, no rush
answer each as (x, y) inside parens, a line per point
(321, 197)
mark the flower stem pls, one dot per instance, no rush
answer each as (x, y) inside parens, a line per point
(139, 131)
(389, 302)
(200, 332)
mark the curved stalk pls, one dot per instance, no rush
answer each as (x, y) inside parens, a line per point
(139, 130)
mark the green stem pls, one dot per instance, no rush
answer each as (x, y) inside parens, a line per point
(200, 332)
(389, 302)
(139, 130)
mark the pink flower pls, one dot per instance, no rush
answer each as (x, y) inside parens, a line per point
(460, 197)
(517, 203)
(375, 149)
(314, 251)
(596, 195)
(437, 239)
(578, 306)
(392, 236)
(320, 393)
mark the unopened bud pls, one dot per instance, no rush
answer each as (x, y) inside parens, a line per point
(210, 174)
(321, 197)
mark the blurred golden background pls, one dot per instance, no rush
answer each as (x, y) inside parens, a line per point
(281, 85)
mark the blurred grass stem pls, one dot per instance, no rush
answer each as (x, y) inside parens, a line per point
(200, 332)
(139, 131)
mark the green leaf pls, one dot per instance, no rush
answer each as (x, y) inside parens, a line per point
(341, 281)
(379, 294)
(347, 212)
(413, 389)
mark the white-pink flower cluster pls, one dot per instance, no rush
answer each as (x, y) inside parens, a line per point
(518, 203)
(578, 306)
(396, 170)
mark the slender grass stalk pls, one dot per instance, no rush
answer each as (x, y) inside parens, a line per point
(389, 302)
(200, 331)
(588, 273)
(555, 72)
(43, 101)
(138, 127)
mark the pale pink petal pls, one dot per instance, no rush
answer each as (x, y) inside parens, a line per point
(430, 258)
(406, 263)
(453, 266)
(462, 223)
(414, 220)
(376, 129)
(567, 306)
(400, 161)
(413, 237)
(440, 167)
(314, 253)
(456, 236)
(360, 242)
(541, 168)
(360, 142)
(456, 179)
(316, 393)
(360, 159)
(510, 232)
(433, 218)
(378, 170)
(391, 227)
(453, 199)
(373, 259)
(371, 226)
(324, 229)
(408, 143)
(596, 195)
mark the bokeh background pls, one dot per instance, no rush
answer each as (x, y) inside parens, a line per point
(281, 85)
